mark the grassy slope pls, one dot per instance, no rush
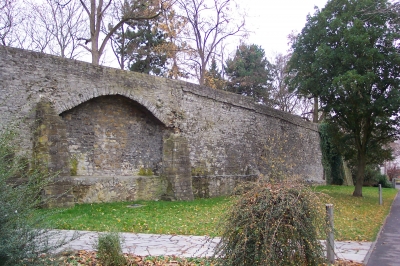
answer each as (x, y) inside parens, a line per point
(355, 218)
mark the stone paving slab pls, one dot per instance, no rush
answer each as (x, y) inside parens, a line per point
(187, 246)
(350, 250)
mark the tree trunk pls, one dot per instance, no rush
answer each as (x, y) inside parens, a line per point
(95, 46)
(315, 112)
(95, 57)
(361, 163)
(202, 76)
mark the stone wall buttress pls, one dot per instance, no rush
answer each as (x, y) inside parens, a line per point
(176, 167)
(50, 151)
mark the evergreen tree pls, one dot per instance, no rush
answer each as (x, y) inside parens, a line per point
(214, 78)
(139, 45)
(350, 60)
(145, 57)
(98, 12)
(249, 72)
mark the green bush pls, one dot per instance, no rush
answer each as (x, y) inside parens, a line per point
(383, 181)
(22, 237)
(273, 225)
(332, 160)
(109, 251)
(373, 177)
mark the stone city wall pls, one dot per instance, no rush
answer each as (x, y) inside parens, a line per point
(103, 124)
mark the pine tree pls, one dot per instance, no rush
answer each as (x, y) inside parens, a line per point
(249, 72)
(143, 41)
(214, 77)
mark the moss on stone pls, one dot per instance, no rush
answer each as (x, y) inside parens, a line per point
(145, 172)
(199, 171)
(74, 166)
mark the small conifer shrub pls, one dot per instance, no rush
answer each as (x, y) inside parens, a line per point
(109, 250)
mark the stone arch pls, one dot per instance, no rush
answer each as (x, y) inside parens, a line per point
(112, 135)
(64, 104)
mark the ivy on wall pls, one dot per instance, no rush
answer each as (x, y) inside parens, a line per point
(332, 160)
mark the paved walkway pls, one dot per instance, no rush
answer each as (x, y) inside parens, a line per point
(188, 246)
(386, 250)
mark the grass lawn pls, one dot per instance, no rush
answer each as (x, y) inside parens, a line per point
(355, 218)
(198, 217)
(358, 218)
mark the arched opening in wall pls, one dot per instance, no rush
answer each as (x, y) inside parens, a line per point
(113, 136)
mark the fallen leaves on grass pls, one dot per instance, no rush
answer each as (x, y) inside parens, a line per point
(358, 219)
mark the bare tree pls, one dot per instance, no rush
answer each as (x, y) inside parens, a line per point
(118, 40)
(118, 43)
(97, 14)
(210, 22)
(6, 19)
(282, 98)
(55, 25)
(391, 167)
(10, 19)
(176, 47)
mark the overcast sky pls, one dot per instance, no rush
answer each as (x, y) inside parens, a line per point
(273, 20)
(270, 22)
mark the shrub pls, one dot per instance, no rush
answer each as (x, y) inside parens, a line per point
(22, 235)
(273, 225)
(373, 177)
(383, 181)
(332, 160)
(109, 251)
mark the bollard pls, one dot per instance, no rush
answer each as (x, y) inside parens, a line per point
(380, 194)
(330, 241)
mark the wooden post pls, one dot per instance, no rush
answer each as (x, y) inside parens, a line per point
(380, 194)
(330, 241)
